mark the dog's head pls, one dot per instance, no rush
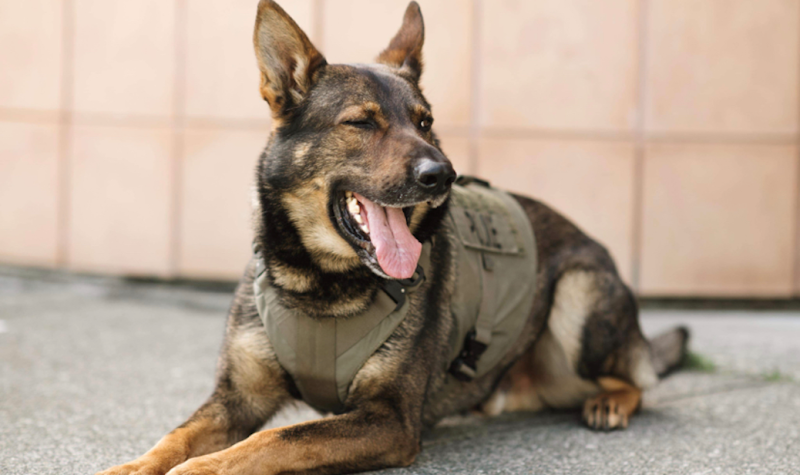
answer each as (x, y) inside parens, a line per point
(352, 157)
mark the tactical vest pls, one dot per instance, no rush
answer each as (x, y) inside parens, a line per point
(495, 269)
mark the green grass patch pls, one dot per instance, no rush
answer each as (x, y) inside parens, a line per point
(775, 376)
(697, 362)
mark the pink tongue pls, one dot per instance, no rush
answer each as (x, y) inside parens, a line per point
(397, 250)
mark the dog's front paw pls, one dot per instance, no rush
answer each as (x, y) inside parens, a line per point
(206, 465)
(137, 467)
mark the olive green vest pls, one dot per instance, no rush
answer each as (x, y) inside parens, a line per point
(495, 285)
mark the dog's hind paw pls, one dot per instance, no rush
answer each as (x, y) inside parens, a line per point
(613, 407)
(604, 412)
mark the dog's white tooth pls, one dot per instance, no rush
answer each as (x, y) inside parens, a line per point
(353, 207)
(364, 227)
(348, 194)
(358, 218)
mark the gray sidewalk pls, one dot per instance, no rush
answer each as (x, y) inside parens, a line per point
(94, 371)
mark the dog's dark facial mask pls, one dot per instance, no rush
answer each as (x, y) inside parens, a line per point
(352, 158)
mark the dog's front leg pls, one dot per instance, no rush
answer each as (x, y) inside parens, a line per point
(352, 442)
(215, 426)
(201, 434)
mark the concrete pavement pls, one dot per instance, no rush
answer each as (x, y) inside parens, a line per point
(93, 371)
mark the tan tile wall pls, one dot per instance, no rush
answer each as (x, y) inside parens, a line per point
(668, 129)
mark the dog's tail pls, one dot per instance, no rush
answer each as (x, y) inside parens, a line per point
(669, 350)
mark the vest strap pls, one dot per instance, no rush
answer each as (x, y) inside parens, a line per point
(476, 341)
(316, 341)
(492, 227)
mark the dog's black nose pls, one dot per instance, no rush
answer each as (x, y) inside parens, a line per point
(433, 176)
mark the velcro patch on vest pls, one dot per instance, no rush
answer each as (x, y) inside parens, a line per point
(483, 222)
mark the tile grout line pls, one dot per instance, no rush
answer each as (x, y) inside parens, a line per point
(551, 134)
(63, 163)
(637, 227)
(150, 121)
(317, 24)
(723, 138)
(32, 116)
(475, 70)
(178, 125)
(794, 287)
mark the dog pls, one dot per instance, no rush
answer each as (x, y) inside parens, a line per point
(354, 201)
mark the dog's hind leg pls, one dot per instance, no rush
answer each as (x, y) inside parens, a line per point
(591, 354)
(616, 355)
(541, 378)
(547, 375)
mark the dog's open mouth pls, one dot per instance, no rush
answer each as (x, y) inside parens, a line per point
(382, 231)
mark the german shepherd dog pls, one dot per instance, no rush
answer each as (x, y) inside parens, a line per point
(364, 131)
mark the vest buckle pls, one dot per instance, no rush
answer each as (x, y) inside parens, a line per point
(396, 289)
(464, 367)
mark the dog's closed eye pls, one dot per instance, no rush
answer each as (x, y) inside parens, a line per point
(365, 124)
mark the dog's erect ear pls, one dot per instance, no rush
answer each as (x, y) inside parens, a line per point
(287, 59)
(405, 49)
